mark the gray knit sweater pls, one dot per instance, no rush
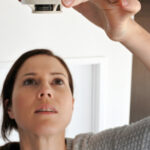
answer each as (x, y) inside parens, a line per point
(132, 137)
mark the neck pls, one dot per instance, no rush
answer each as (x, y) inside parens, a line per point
(32, 142)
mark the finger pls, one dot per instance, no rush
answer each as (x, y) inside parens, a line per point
(77, 2)
(67, 3)
(72, 3)
(132, 6)
(94, 15)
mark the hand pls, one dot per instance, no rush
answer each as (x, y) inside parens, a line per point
(114, 16)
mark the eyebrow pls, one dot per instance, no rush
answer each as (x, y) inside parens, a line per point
(30, 74)
(52, 73)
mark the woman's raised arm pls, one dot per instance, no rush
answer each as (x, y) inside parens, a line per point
(115, 17)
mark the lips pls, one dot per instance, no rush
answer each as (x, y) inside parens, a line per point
(46, 109)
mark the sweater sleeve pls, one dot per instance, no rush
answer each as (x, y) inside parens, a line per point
(132, 137)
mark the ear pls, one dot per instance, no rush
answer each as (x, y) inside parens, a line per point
(9, 109)
(73, 103)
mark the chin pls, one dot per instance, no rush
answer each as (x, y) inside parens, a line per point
(45, 127)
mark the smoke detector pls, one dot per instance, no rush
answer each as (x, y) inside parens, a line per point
(44, 6)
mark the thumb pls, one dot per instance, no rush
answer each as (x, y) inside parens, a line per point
(72, 3)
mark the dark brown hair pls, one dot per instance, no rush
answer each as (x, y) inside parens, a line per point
(8, 124)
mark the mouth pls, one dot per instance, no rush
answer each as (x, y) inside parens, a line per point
(46, 109)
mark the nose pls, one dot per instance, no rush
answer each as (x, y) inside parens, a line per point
(45, 94)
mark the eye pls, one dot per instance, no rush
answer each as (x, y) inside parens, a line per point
(58, 81)
(30, 82)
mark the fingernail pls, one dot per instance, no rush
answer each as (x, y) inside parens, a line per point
(67, 2)
(124, 2)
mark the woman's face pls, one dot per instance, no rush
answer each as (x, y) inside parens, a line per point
(42, 101)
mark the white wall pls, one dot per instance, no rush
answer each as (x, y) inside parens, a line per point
(71, 36)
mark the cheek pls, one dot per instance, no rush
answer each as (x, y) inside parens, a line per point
(65, 97)
(22, 108)
(67, 103)
(21, 102)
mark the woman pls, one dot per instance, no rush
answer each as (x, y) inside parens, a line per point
(37, 98)
(38, 93)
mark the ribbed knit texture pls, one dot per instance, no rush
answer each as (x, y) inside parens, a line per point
(132, 137)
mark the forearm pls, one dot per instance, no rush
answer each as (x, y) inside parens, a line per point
(138, 42)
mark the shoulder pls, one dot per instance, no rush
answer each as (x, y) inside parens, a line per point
(10, 146)
(79, 142)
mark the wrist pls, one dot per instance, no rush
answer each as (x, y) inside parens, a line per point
(132, 32)
(137, 41)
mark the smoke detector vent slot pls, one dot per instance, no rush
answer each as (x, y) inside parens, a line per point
(44, 7)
